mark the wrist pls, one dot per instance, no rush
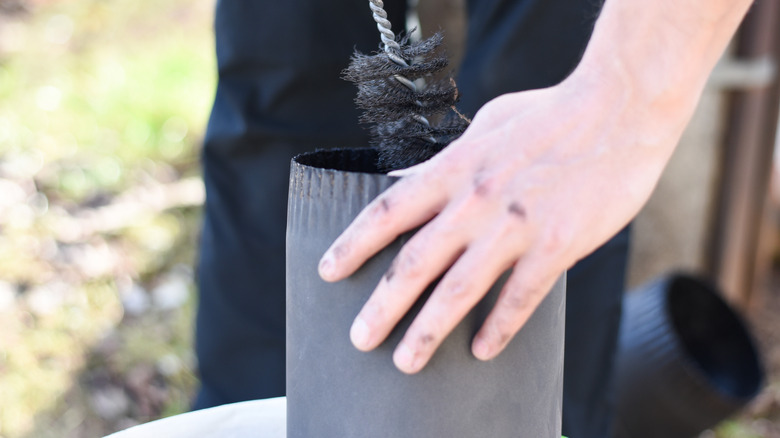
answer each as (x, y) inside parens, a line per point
(648, 128)
(644, 88)
(610, 89)
(659, 54)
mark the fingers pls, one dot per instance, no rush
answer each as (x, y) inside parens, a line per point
(456, 294)
(455, 239)
(424, 257)
(525, 289)
(409, 203)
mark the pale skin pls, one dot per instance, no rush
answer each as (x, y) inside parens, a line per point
(537, 182)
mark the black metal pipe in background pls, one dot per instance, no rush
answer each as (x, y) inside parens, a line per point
(686, 360)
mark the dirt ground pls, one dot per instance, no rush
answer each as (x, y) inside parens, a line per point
(762, 417)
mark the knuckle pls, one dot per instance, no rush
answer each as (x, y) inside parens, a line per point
(410, 261)
(517, 300)
(434, 178)
(444, 229)
(469, 206)
(453, 294)
(503, 331)
(426, 340)
(485, 186)
(517, 211)
(448, 163)
(341, 250)
(424, 336)
(510, 234)
(378, 211)
(443, 164)
(373, 312)
(556, 241)
(520, 298)
(456, 290)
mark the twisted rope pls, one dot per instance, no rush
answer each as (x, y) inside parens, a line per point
(393, 50)
(384, 26)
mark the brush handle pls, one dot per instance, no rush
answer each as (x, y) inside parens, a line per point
(385, 27)
(393, 51)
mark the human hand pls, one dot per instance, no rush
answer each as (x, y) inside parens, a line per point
(539, 180)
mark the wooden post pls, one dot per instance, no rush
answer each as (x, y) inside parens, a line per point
(747, 160)
(448, 16)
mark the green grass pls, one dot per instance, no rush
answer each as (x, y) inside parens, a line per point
(734, 429)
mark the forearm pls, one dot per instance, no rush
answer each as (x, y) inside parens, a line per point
(658, 54)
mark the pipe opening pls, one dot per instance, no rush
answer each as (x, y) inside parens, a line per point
(346, 160)
(714, 337)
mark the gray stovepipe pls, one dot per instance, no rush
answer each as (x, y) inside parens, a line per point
(336, 391)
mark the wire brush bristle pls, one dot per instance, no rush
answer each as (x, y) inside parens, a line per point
(399, 113)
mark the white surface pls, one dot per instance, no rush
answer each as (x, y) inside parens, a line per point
(258, 418)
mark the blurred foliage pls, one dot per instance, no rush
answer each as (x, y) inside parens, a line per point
(102, 110)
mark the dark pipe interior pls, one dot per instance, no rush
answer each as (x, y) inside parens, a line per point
(347, 160)
(715, 337)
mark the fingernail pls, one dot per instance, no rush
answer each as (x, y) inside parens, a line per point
(360, 334)
(326, 267)
(403, 358)
(481, 349)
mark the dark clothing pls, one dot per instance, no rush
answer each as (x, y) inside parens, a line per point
(280, 94)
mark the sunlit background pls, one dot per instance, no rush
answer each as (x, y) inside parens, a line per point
(103, 105)
(102, 109)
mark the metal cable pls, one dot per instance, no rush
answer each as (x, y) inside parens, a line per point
(384, 26)
(393, 51)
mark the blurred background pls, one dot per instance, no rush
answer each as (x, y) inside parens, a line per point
(102, 110)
